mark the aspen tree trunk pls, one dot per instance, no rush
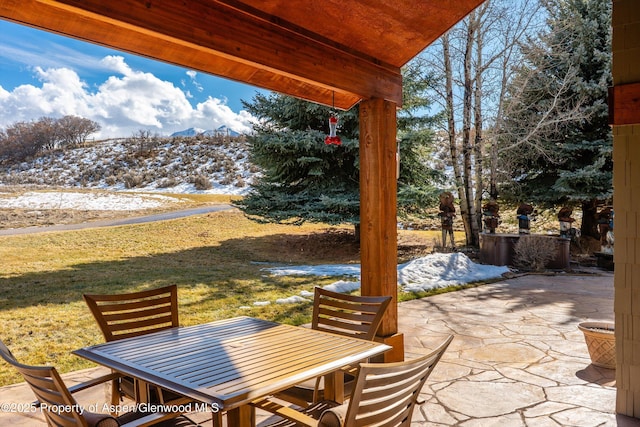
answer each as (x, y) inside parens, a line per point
(468, 212)
(451, 125)
(477, 59)
(479, 123)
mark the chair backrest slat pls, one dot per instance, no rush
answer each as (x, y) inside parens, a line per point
(350, 315)
(353, 316)
(58, 405)
(127, 315)
(386, 393)
(130, 303)
(155, 323)
(345, 328)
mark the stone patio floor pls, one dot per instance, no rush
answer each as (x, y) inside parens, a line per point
(517, 359)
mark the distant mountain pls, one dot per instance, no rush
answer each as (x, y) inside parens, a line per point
(225, 130)
(222, 130)
(189, 132)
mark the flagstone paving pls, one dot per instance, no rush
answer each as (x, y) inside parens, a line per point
(517, 359)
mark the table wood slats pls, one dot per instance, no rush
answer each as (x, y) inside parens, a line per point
(232, 361)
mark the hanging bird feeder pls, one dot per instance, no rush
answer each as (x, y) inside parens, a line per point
(332, 138)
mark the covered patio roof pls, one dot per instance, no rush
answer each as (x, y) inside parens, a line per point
(314, 50)
(326, 51)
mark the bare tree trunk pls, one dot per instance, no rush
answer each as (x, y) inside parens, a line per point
(451, 124)
(478, 58)
(479, 123)
(468, 211)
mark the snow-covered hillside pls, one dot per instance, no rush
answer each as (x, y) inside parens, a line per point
(208, 164)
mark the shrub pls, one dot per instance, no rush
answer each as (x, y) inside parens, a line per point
(22, 140)
(132, 180)
(534, 252)
(168, 182)
(202, 182)
(240, 183)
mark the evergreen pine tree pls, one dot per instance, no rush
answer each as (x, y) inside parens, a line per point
(557, 133)
(303, 179)
(421, 179)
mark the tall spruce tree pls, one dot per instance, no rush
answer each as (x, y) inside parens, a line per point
(556, 133)
(305, 180)
(421, 177)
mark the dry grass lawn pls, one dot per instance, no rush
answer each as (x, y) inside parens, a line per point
(216, 260)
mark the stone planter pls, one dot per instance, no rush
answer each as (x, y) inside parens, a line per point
(601, 343)
(499, 249)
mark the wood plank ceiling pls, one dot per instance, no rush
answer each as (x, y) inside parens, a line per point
(326, 51)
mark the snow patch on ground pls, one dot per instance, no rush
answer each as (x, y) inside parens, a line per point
(442, 270)
(85, 201)
(422, 274)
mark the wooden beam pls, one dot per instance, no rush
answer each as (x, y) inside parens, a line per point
(392, 31)
(378, 196)
(624, 104)
(219, 39)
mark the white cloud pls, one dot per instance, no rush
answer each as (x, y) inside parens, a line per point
(215, 113)
(123, 104)
(193, 75)
(117, 64)
(45, 54)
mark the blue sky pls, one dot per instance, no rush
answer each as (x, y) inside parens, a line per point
(43, 74)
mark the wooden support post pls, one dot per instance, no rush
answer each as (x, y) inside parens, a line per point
(378, 221)
(624, 105)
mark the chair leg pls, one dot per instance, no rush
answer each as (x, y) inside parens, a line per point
(217, 419)
(115, 397)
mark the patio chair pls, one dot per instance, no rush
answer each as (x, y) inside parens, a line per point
(60, 408)
(385, 394)
(127, 315)
(349, 315)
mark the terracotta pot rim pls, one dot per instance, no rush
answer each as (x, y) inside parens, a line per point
(602, 327)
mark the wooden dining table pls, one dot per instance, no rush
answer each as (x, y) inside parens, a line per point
(229, 363)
